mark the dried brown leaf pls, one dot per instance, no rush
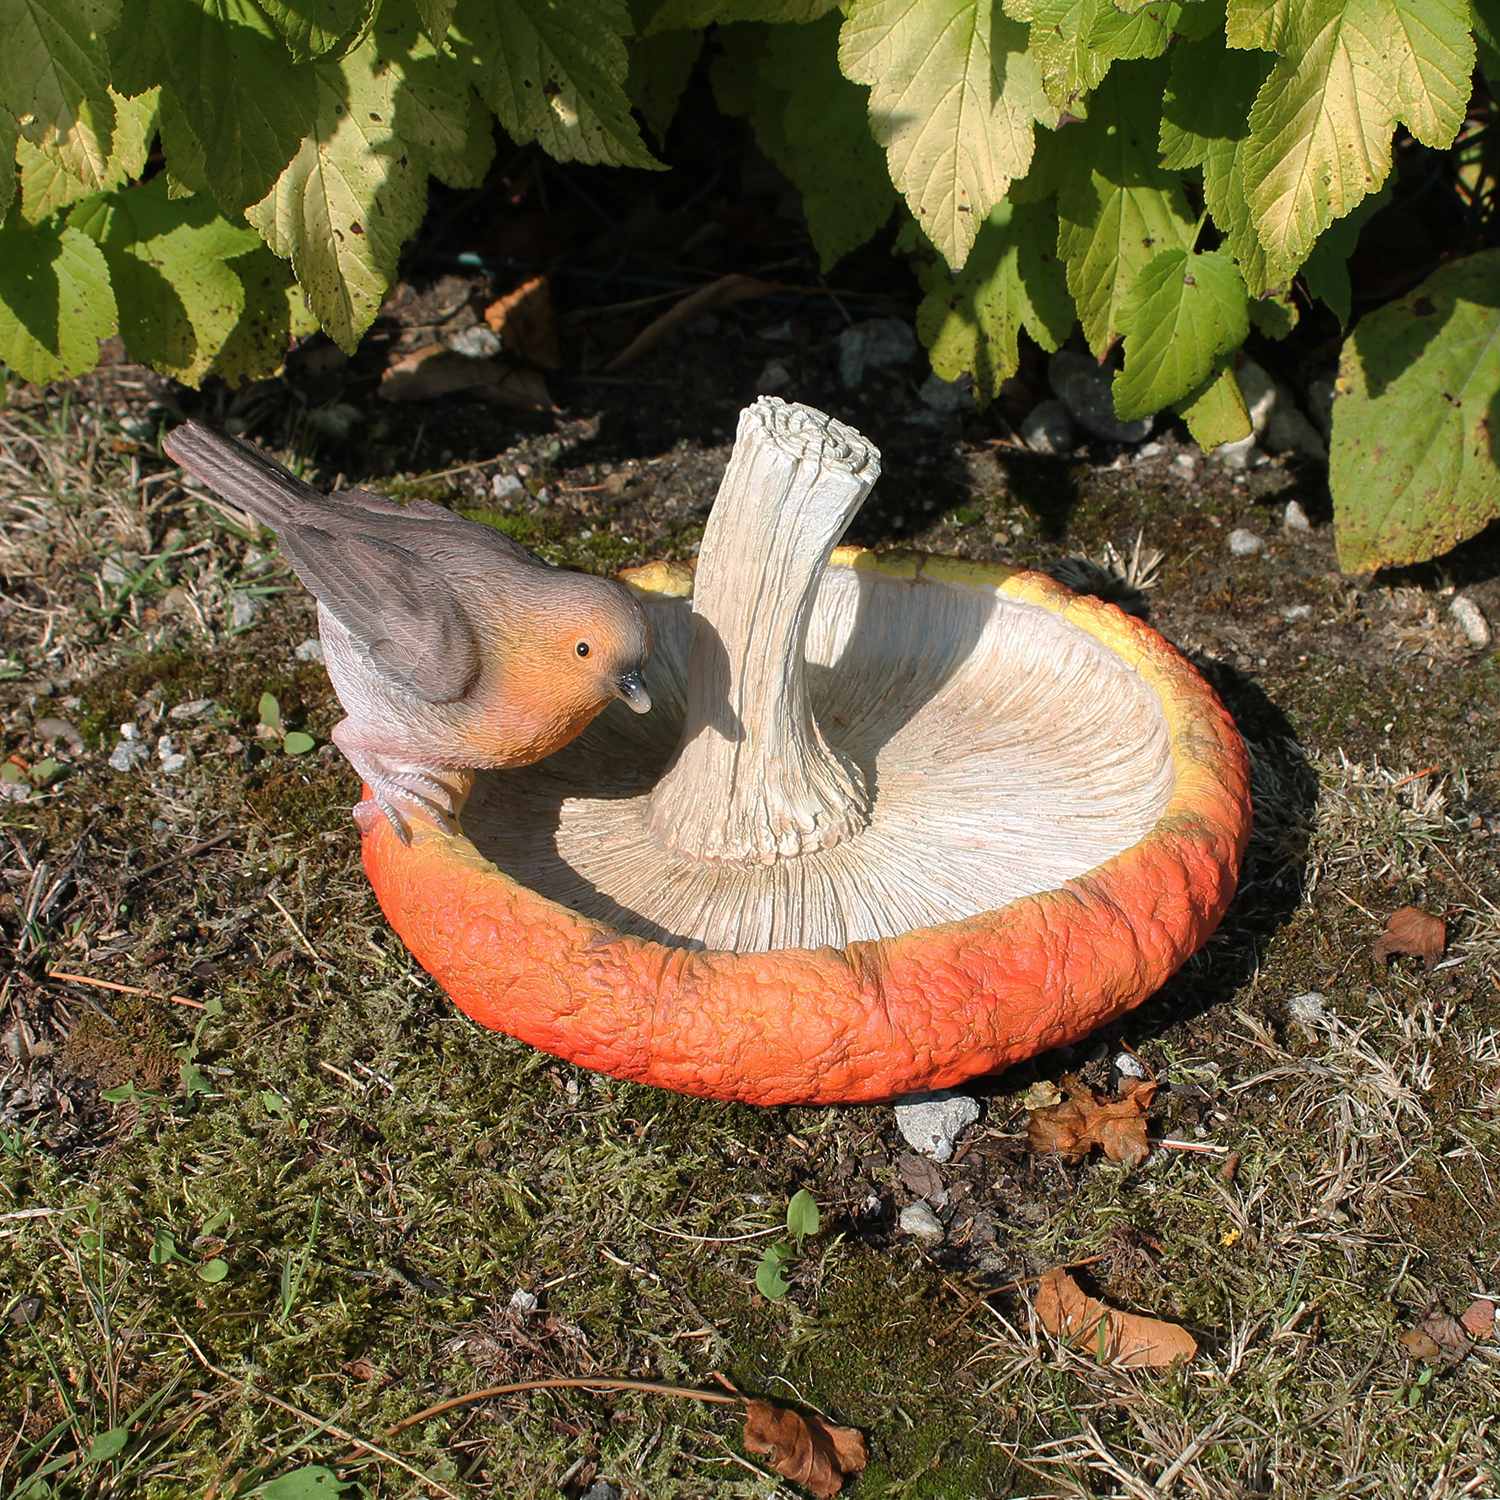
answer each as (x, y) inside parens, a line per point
(524, 321)
(720, 293)
(805, 1449)
(1066, 1311)
(1437, 1337)
(1478, 1318)
(1073, 1128)
(433, 371)
(1414, 931)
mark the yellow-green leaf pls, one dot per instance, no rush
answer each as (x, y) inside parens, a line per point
(54, 68)
(313, 29)
(56, 302)
(10, 133)
(1076, 42)
(971, 320)
(1117, 209)
(1321, 125)
(673, 15)
(1183, 314)
(555, 74)
(68, 168)
(1216, 413)
(954, 100)
(1415, 430)
(349, 199)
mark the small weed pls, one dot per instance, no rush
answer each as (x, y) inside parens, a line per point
(802, 1221)
(294, 741)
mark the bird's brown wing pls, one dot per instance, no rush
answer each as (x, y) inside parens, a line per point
(395, 604)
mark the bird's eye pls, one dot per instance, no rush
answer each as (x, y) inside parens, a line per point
(583, 648)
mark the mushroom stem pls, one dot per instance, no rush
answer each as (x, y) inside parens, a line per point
(753, 779)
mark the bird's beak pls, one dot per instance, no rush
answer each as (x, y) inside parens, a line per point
(633, 691)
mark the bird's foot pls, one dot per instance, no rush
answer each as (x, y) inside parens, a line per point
(401, 792)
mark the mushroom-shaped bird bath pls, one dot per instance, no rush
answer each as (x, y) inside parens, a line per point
(894, 822)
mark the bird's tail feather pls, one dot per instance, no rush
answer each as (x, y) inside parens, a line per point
(240, 474)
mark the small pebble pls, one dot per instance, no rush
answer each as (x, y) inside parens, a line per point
(1295, 612)
(600, 1489)
(1187, 462)
(1471, 621)
(477, 342)
(52, 731)
(1153, 449)
(1295, 518)
(129, 755)
(336, 420)
(309, 650)
(1048, 428)
(1236, 455)
(775, 377)
(244, 610)
(1245, 543)
(1130, 1066)
(194, 708)
(1307, 1009)
(522, 1303)
(114, 573)
(921, 1223)
(932, 1125)
(506, 487)
(877, 344)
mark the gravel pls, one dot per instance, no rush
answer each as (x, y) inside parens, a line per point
(1470, 619)
(1244, 542)
(507, 487)
(245, 610)
(921, 1223)
(932, 1124)
(1307, 1009)
(309, 650)
(1295, 518)
(478, 342)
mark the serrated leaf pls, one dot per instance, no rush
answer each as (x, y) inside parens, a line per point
(954, 99)
(1076, 42)
(1416, 427)
(1258, 23)
(971, 321)
(349, 199)
(1183, 314)
(10, 133)
(54, 68)
(56, 302)
(1216, 414)
(1117, 209)
(187, 163)
(1321, 125)
(313, 29)
(439, 115)
(660, 66)
(811, 122)
(1326, 270)
(556, 75)
(66, 171)
(672, 15)
(230, 80)
(436, 16)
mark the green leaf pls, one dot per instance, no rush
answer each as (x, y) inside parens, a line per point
(214, 1224)
(1076, 42)
(107, 1445)
(436, 16)
(1326, 270)
(67, 169)
(54, 68)
(170, 260)
(1258, 23)
(971, 322)
(1183, 314)
(349, 199)
(1216, 414)
(660, 66)
(163, 1248)
(193, 1080)
(802, 1217)
(1416, 427)
(671, 15)
(273, 1103)
(213, 1271)
(121, 1093)
(769, 1280)
(311, 1482)
(954, 98)
(439, 115)
(230, 81)
(810, 121)
(1321, 125)
(1117, 209)
(313, 29)
(275, 311)
(556, 75)
(56, 303)
(298, 743)
(270, 711)
(10, 133)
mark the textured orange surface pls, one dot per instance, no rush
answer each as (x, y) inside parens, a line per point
(876, 1019)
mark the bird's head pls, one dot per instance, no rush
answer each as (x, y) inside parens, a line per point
(602, 643)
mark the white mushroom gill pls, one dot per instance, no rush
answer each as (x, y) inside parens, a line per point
(835, 754)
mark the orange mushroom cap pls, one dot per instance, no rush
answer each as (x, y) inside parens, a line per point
(876, 1019)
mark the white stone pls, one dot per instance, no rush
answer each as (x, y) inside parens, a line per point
(1307, 1009)
(194, 708)
(1187, 462)
(921, 1223)
(506, 487)
(1244, 542)
(522, 1303)
(1048, 428)
(1294, 612)
(309, 650)
(1236, 455)
(1130, 1066)
(244, 610)
(1288, 431)
(129, 755)
(1152, 449)
(1295, 519)
(933, 1123)
(477, 342)
(1471, 621)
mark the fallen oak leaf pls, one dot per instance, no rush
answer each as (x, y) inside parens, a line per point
(1410, 930)
(433, 371)
(525, 324)
(721, 293)
(805, 1449)
(1436, 1337)
(1067, 1312)
(1478, 1319)
(1082, 1121)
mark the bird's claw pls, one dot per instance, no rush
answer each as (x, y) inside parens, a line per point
(396, 791)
